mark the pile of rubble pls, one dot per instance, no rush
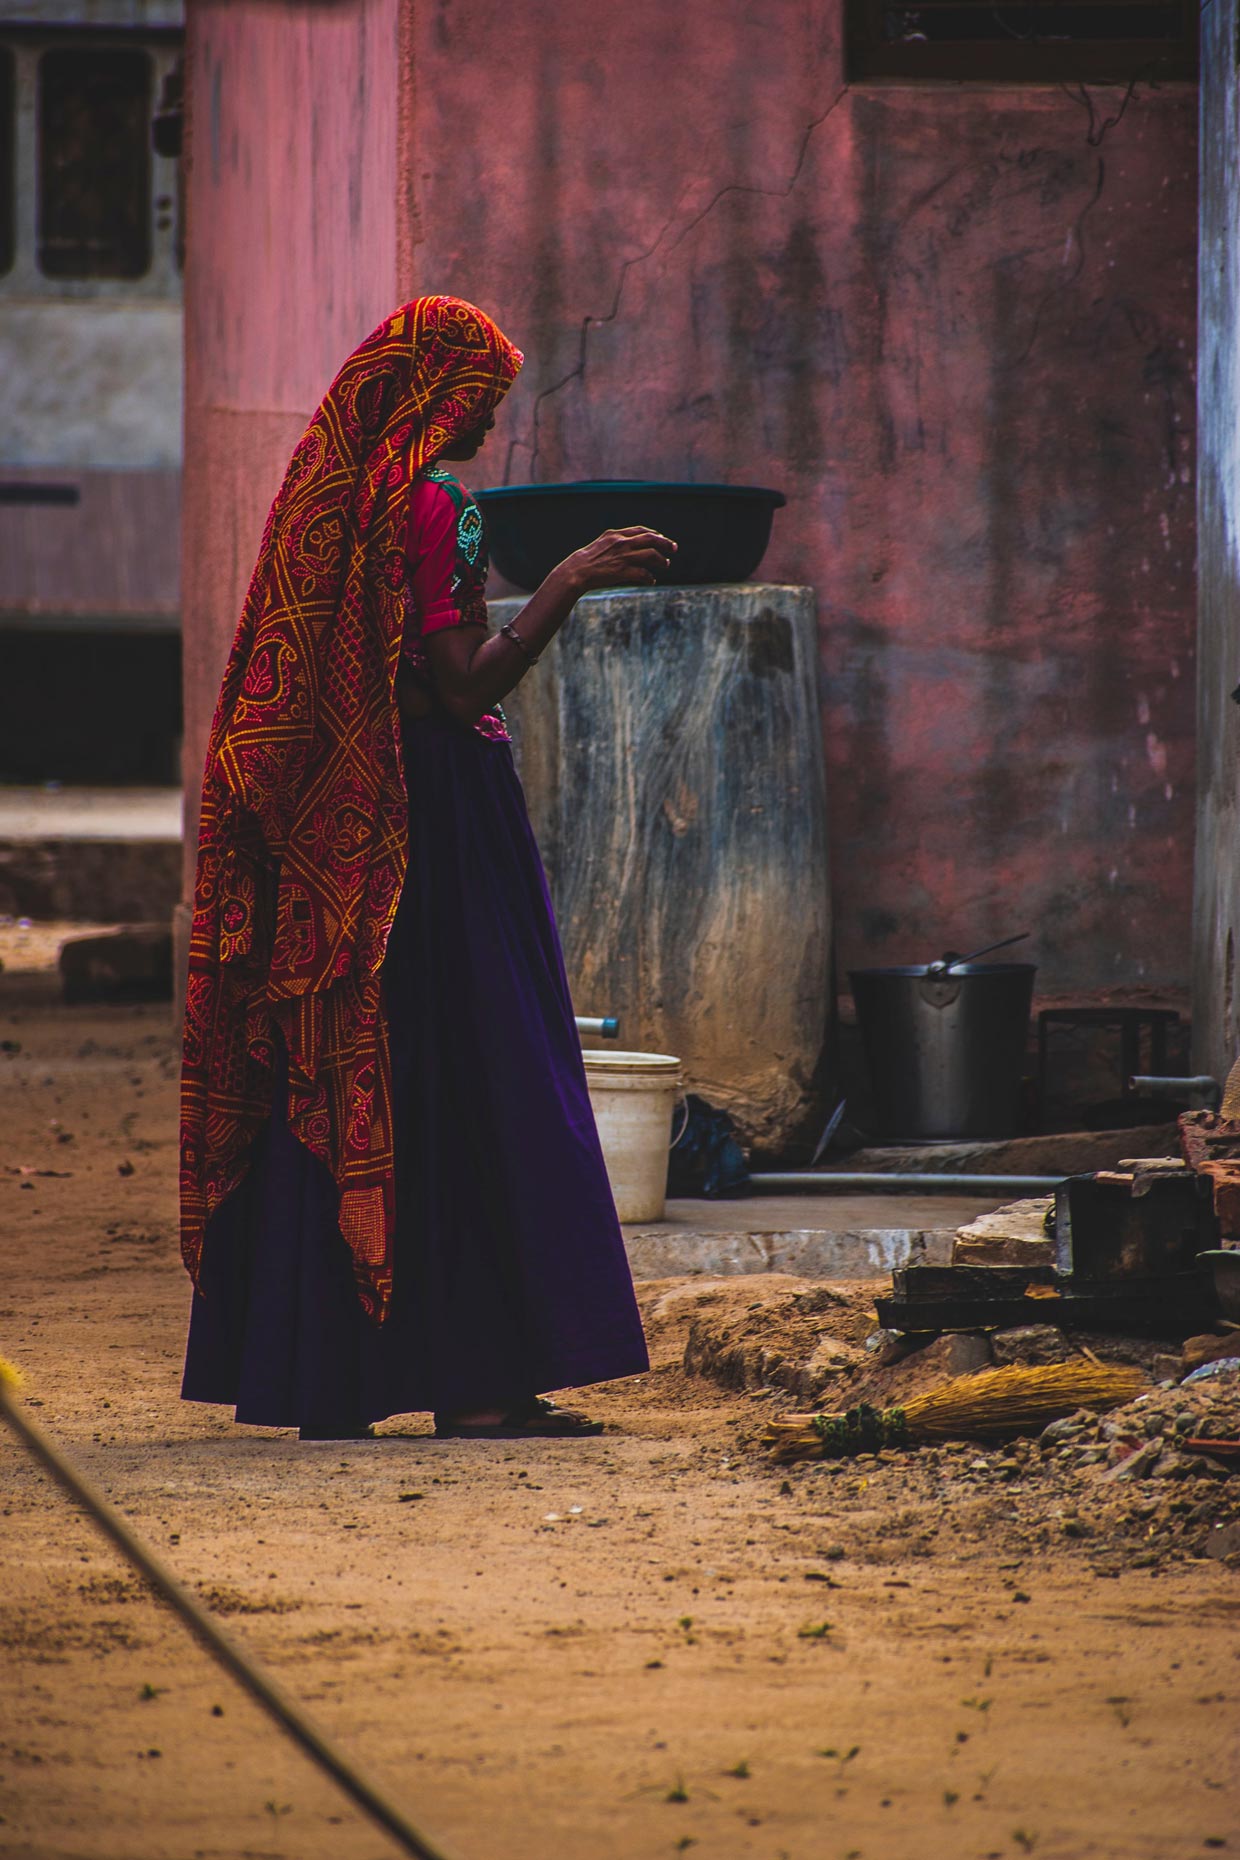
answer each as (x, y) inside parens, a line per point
(1121, 1491)
(1164, 1434)
(1115, 1268)
(1135, 1480)
(1120, 1266)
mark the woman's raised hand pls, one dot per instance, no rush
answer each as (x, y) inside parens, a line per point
(472, 672)
(621, 559)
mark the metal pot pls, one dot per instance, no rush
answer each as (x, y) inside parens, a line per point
(945, 1050)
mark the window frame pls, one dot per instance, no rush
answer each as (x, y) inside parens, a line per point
(68, 248)
(164, 46)
(872, 59)
(8, 159)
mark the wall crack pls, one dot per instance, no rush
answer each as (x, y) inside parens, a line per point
(591, 321)
(1077, 234)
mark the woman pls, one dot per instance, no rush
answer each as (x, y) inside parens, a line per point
(393, 1196)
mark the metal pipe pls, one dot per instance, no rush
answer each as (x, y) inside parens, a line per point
(824, 1182)
(606, 1029)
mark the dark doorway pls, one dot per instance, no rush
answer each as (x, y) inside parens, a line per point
(101, 709)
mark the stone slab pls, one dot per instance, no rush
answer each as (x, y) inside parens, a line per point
(1014, 1235)
(813, 1237)
(126, 814)
(839, 1213)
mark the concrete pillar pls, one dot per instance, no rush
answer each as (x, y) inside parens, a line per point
(671, 751)
(297, 248)
(1216, 903)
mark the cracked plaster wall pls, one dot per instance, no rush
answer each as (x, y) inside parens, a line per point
(955, 326)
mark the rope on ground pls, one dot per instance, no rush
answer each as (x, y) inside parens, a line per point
(282, 1708)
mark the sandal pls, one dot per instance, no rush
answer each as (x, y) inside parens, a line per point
(537, 1419)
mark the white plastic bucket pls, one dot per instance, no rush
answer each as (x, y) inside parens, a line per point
(633, 1095)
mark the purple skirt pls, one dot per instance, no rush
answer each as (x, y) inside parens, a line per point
(510, 1276)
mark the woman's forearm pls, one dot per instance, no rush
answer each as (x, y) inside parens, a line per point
(472, 673)
(469, 681)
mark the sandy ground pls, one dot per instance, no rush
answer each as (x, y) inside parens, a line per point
(641, 1645)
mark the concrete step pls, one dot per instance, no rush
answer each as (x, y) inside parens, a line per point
(814, 1237)
(103, 855)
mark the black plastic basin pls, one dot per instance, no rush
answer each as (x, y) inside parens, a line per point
(722, 529)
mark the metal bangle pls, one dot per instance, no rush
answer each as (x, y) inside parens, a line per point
(509, 631)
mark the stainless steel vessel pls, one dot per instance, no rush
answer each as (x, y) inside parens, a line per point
(945, 1048)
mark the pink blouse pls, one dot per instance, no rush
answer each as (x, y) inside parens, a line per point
(446, 554)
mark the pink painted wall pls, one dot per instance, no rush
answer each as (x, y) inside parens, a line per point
(292, 196)
(955, 326)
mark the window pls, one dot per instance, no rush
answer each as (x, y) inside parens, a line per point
(94, 164)
(1037, 41)
(8, 159)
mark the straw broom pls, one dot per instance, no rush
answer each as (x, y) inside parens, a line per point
(994, 1402)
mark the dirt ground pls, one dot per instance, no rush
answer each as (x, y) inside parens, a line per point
(646, 1644)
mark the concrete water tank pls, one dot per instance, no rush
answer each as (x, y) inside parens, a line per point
(671, 751)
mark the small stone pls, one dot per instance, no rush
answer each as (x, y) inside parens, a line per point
(1165, 1368)
(830, 1360)
(132, 963)
(1207, 1348)
(1135, 1465)
(883, 1340)
(956, 1353)
(1015, 1235)
(1030, 1343)
(1171, 1466)
(1223, 1540)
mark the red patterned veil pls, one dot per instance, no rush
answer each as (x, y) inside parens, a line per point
(303, 839)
